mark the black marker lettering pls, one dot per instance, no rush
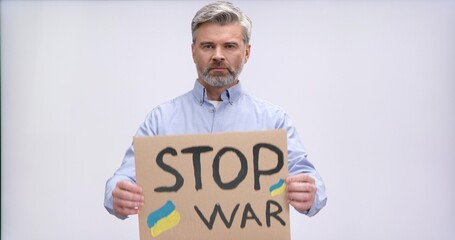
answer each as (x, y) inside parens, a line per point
(196, 151)
(216, 169)
(217, 209)
(257, 172)
(178, 177)
(269, 214)
(252, 215)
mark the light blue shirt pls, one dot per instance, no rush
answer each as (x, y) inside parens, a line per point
(192, 113)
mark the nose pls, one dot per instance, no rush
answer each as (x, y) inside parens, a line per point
(218, 54)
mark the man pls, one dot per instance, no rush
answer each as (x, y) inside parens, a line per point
(217, 103)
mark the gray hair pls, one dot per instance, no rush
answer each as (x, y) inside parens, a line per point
(222, 13)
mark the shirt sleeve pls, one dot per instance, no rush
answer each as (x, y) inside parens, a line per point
(127, 170)
(298, 163)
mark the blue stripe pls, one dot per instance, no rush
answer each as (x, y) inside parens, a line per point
(162, 212)
(278, 185)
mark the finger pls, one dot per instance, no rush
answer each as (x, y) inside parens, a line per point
(128, 191)
(126, 207)
(125, 195)
(300, 187)
(129, 186)
(301, 206)
(126, 211)
(128, 204)
(302, 202)
(300, 178)
(299, 197)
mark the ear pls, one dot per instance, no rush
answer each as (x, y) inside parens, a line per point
(247, 53)
(192, 52)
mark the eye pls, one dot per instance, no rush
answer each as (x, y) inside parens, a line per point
(231, 46)
(207, 46)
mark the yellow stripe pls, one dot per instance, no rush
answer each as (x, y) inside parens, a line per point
(278, 191)
(165, 223)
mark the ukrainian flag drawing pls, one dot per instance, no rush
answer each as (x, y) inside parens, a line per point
(163, 219)
(277, 188)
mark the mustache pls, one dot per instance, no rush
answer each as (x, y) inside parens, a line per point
(218, 65)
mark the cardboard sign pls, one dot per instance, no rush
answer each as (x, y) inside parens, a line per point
(213, 186)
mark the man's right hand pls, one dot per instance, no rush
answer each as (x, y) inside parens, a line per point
(127, 198)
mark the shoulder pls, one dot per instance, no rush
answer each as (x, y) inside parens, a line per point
(168, 109)
(174, 103)
(263, 105)
(164, 113)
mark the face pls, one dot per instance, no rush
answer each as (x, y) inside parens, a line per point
(219, 53)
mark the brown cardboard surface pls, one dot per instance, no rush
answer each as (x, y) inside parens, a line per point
(248, 213)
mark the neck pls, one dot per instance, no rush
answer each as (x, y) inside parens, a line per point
(214, 93)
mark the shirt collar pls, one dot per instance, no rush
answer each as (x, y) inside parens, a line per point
(231, 94)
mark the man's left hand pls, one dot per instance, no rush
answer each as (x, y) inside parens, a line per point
(301, 191)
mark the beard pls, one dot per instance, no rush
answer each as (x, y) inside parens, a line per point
(219, 79)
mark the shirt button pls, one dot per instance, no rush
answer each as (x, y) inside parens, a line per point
(212, 110)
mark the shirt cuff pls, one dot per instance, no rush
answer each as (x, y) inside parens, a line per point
(319, 202)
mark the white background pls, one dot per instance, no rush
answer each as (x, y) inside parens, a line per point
(369, 84)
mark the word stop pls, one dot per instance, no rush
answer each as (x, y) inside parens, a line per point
(198, 151)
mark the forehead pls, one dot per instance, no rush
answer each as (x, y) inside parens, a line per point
(212, 32)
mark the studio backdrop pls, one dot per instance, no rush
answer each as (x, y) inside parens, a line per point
(370, 86)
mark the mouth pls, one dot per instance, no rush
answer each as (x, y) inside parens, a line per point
(218, 69)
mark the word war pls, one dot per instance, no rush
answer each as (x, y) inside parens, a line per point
(248, 214)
